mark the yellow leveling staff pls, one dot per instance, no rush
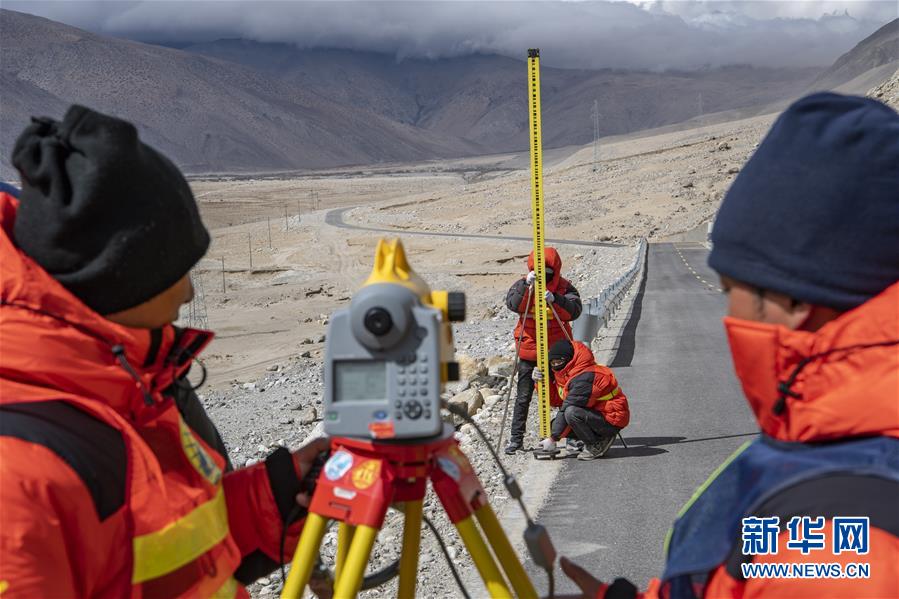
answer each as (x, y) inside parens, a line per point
(540, 310)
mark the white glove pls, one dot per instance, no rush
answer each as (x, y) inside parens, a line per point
(547, 444)
(537, 375)
(550, 298)
(532, 276)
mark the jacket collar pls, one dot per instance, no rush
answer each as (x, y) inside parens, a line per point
(840, 381)
(62, 346)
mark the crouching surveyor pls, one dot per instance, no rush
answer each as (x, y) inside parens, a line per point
(594, 408)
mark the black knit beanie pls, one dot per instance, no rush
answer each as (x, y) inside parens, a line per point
(104, 214)
(814, 214)
(561, 350)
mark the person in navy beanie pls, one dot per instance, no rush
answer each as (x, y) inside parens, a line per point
(807, 246)
(814, 213)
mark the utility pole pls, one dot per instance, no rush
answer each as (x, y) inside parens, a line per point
(250, 246)
(595, 114)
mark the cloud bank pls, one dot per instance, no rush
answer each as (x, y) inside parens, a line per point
(661, 34)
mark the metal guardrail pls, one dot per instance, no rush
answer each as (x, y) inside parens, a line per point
(597, 310)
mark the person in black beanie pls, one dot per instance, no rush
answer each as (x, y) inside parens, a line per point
(806, 243)
(109, 217)
(115, 481)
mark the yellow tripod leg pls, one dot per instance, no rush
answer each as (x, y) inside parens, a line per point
(482, 559)
(344, 538)
(505, 554)
(304, 557)
(411, 545)
(354, 568)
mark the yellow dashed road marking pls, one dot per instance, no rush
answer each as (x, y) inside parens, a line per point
(695, 274)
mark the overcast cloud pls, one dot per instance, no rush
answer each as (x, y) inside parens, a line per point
(659, 34)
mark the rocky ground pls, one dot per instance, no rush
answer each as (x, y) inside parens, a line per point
(276, 270)
(284, 407)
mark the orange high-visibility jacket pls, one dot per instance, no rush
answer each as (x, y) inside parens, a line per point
(843, 383)
(567, 304)
(113, 482)
(586, 384)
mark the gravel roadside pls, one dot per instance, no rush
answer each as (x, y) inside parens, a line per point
(284, 408)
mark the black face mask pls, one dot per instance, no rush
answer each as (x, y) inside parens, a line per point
(549, 274)
(559, 367)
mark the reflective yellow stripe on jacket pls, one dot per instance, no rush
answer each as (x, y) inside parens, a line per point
(605, 397)
(609, 396)
(182, 541)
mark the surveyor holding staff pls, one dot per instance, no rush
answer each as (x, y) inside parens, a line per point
(593, 407)
(566, 302)
(115, 482)
(807, 246)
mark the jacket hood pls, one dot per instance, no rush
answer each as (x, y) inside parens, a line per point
(582, 361)
(840, 381)
(553, 261)
(55, 347)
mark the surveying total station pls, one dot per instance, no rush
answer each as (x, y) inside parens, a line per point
(388, 356)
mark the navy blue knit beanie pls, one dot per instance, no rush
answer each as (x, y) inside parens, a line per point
(814, 214)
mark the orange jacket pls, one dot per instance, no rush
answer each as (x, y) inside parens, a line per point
(567, 304)
(834, 394)
(114, 482)
(587, 384)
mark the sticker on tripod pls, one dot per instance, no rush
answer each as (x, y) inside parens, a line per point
(338, 465)
(382, 429)
(450, 467)
(460, 459)
(366, 473)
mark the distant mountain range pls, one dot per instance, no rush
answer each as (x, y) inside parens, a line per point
(238, 105)
(878, 52)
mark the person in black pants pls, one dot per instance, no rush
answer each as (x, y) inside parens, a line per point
(567, 304)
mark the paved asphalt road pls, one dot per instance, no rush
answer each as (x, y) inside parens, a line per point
(687, 415)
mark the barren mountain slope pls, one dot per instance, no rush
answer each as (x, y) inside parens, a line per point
(482, 98)
(207, 114)
(879, 48)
